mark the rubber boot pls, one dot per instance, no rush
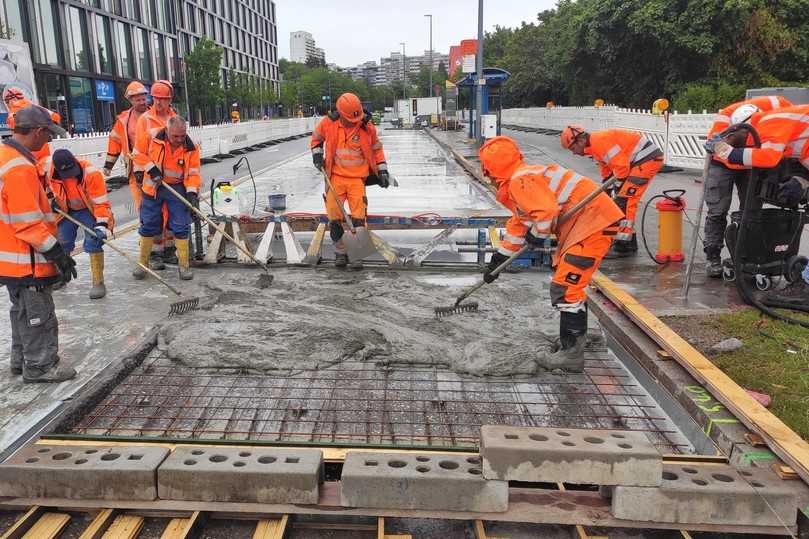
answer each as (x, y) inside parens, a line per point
(98, 290)
(340, 260)
(170, 255)
(569, 356)
(183, 259)
(145, 251)
(156, 261)
(356, 265)
(713, 264)
(620, 249)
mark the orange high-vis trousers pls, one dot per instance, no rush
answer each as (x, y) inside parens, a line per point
(631, 192)
(164, 239)
(351, 189)
(575, 269)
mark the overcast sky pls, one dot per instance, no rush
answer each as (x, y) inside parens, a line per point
(352, 32)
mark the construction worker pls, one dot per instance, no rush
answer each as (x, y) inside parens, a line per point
(346, 144)
(15, 100)
(630, 157)
(31, 258)
(537, 196)
(174, 159)
(80, 191)
(149, 124)
(722, 177)
(124, 134)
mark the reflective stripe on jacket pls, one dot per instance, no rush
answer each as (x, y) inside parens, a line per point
(118, 143)
(618, 150)
(783, 134)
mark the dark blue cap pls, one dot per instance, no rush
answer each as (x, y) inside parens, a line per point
(65, 164)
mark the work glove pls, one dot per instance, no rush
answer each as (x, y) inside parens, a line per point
(106, 172)
(791, 193)
(534, 241)
(494, 263)
(718, 147)
(371, 179)
(65, 265)
(317, 160)
(384, 179)
(101, 231)
(192, 198)
(54, 205)
(711, 143)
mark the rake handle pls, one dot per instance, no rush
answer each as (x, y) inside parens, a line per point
(348, 221)
(118, 250)
(219, 229)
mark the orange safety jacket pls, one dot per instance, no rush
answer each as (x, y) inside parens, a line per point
(20, 104)
(537, 194)
(180, 165)
(89, 191)
(352, 161)
(617, 151)
(783, 134)
(27, 224)
(149, 125)
(119, 143)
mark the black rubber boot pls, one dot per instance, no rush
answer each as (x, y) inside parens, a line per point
(572, 338)
(340, 260)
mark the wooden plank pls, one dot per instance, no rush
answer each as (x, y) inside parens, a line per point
(24, 523)
(380, 528)
(48, 526)
(295, 252)
(180, 528)
(173, 528)
(124, 527)
(313, 252)
(264, 251)
(383, 248)
(100, 524)
(212, 256)
(241, 239)
(782, 440)
(494, 237)
(271, 528)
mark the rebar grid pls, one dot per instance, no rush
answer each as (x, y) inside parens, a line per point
(363, 404)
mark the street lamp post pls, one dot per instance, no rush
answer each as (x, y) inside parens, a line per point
(404, 71)
(431, 54)
(481, 80)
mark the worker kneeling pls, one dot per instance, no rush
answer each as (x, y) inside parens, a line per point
(353, 159)
(177, 167)
(79, 190)
(537, 196)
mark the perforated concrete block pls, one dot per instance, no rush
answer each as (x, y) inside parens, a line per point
(578, 456)
(710, 495)
(84, 472)
(232, 474)
(412, 481)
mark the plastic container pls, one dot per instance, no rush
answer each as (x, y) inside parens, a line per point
(225, 200)
(278, 202)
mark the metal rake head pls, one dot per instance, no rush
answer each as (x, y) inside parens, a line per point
(455, 309)
(184, 306)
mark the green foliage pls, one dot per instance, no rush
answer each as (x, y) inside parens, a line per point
(709, 96)
(631, 52)
(202, 70)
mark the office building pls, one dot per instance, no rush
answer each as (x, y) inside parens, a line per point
(302, 47)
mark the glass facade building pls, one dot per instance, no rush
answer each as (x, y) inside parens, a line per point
(85, 52)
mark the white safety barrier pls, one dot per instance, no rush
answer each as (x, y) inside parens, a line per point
(213, 139)
(681, 136)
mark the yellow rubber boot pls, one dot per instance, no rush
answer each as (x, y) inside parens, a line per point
(145, 251)
(183, 259)
(98, 290)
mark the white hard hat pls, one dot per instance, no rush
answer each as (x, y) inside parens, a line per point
(743, 114)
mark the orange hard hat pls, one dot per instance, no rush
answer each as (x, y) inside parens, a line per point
(11, 93)
(350, 108)
(162, 89)
(500, 157)
(570, 134)
(135, 88)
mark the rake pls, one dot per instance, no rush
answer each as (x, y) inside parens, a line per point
(458, 307)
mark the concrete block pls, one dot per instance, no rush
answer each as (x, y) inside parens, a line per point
(413, 481)
(233, 474)
(700, 494)
(578, 456)
(85, 472)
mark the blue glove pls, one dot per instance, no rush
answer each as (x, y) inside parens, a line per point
(790, 193)
(101, 232)
(711, 142)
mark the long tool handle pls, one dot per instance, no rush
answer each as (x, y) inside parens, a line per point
(695, 234)
(220, 229)
(118, 250)
(348, 221)
(562, 219)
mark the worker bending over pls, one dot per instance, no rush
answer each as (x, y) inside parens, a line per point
(346, 144)
(149, 124)
(537, 195)
(31, 258)
(173, 159)
(628, 156)
(123, 136)
(722, 176)
(79, 190)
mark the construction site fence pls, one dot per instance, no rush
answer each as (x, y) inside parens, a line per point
(214, 140)
(681, 136)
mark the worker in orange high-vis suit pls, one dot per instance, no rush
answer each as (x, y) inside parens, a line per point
(149, 124)
(15, 100)
(175, 160)
(124, 134)
(723, 176)
(31, 258)
(537, 196)
(345, 142)
(80, 191)
(630, 157)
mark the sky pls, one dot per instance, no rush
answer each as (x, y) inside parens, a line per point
(352, 32)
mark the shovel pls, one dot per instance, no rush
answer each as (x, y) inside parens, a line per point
(357, 240)
(472, 306)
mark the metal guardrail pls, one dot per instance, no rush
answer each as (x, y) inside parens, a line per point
(213, 139)
(680, 135)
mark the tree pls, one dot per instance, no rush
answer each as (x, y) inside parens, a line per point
(202, 73)
(314, 62)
